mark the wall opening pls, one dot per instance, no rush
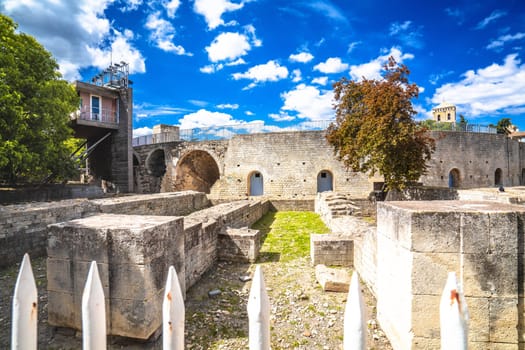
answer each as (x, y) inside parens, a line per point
(325, 181)
(522, 177)
(136, 167)
(454, 178)
(498, 177)
(156, 163)
(256, 184)
(196, 171)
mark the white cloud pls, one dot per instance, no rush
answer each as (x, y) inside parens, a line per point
(491, 90)
(398, 27)
(281, 117)
(204, 118)
(144, 131)
(171, 7)
(302, 57)
(228, 106)
(212, 10)
(502, 40)
(373, 69)
(237, 62)
(331, 65)
(72, 31)
(228, 46)
(352, 46)
(492, 17)
(309, 102)
(162, 34)
(320, 80)
(407, 34)
(270, 71)
(296, 75)
(250, 31)
(249, 113)
(131, 5)
(148, 110)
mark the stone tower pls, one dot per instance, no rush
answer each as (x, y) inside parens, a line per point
(445, 112)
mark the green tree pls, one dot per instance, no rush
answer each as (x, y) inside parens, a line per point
(504, 126)
(35, 104)
(374, 131)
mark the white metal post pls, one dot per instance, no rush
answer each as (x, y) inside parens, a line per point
(173, 313)
(354, 337)
(259, 313)
(93, 312)
(454, 317)
(25, 309)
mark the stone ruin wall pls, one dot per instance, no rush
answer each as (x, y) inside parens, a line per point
(476, 156)
(23, 227)
(133, 253)
(290, 162)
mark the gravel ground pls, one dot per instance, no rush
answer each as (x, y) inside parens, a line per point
(302, 315)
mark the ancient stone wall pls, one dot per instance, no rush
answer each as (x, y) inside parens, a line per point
(418, 243)
(477, 157)
(23, 227)
(133, 253)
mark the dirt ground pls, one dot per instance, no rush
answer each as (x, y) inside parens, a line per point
(303, 316)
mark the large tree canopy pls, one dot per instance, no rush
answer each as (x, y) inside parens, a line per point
(35, 104)
(374, 131)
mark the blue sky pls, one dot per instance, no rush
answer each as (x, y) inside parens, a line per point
(271, 64)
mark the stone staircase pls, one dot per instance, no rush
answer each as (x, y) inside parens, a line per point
(339, 205)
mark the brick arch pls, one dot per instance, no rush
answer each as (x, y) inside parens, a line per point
(196, 170)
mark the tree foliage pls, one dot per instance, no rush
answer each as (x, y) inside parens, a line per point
(374, 131)
(504, 126)
(35, 104)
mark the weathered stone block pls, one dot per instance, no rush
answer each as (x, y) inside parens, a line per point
(239, 244)
(136, 252)
(479, 324)
(503, 320)
(332, 280)
(432, 270)
(489, 275)
(332, 250)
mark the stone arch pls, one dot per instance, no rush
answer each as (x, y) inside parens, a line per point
(498, 177)
(325, 181)
(454, 178)
(156, 163)
(197, 170)
(255, 184)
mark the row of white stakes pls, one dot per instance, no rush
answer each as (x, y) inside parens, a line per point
(453, 313)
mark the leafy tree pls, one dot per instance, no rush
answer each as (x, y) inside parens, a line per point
(504, 126)
(374, 130)
(35, 104)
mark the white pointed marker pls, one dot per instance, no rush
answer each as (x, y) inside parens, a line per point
(259, 313)
(93, 312)
(173, 313)
(25, 309)
(454, 317)
(355, 317)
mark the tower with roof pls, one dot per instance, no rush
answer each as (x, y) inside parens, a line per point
(445, 112)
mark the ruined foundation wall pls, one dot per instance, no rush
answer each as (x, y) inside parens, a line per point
(23, 227)
(418, 243)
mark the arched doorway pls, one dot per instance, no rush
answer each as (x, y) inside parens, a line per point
(523, 176)
(325, 181)
(196, 171)
(256, 184)
(156, 168)
(497, 177)
(454, 178)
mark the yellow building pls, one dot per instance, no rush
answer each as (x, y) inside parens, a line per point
(445, 112)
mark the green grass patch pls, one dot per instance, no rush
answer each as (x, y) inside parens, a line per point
(286, 234)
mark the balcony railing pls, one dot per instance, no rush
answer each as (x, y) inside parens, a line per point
(105, 115)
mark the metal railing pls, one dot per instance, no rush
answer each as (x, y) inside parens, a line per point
(104, 115)
(461, 127)
(225, 132)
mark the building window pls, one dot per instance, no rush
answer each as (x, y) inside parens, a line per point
(448, 116)
(95, 108)
(439, 118)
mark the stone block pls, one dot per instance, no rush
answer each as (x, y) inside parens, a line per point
(476, 233)
(136, 252)
(437, 232)
(479, 324)
(332, 280)
(332, 250)
(503, 320)
(488, 275)
(432, 271)
(425, 316)
(239, 244)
